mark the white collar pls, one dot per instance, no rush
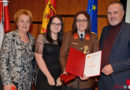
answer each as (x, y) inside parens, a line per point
(81, 33)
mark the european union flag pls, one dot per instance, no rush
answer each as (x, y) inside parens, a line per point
(92, 11)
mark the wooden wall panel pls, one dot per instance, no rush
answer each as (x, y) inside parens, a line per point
(102, 6)
(67, 24)
(101, 23)
(35, 6)
(63, 7)
(35, 29)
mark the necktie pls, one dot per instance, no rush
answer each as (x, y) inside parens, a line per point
(81, 37)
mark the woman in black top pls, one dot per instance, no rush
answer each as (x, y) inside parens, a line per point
(47, 49)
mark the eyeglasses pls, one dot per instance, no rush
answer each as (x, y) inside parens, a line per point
(56, 24)
(81, 21)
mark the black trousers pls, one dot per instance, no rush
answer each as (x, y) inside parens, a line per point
(70, 88)
(105, 82)
(1, 85)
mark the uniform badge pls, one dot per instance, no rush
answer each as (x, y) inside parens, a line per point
(85, 50)
(76, 36)
(87, 37)
(75, 43)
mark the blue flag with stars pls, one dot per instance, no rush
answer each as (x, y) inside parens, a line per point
(92, 11)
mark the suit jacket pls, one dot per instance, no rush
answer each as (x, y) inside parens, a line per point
(120, 53)
(15, 60)
(70, 40)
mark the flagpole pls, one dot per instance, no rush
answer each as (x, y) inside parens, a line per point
(4, 1)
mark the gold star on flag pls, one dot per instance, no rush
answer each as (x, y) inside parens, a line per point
(94, 7)
(89, 9)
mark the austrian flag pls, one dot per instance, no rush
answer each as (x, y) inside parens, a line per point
(4, 19)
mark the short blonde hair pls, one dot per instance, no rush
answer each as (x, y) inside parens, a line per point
(22, 11)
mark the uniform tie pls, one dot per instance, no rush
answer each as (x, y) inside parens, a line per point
(81, 37)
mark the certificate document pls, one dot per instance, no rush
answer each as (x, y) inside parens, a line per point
(92, 65)
(80, 64)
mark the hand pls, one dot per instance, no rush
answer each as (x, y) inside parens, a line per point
(107, 69)
(65, 72)
(51, 81)
(8, 87)
(58, 81)
(84, 78)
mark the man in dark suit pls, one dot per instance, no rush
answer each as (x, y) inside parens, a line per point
(115, 46)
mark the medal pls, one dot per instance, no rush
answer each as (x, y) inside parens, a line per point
(85, 50)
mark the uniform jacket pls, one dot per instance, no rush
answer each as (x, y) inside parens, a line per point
(73, 40)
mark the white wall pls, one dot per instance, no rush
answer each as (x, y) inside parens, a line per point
(127, 18)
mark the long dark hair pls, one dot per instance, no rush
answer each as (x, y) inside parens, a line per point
(74, 26)
(60, 34)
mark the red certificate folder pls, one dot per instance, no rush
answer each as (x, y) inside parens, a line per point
(79, 64)
(14, 88)
(75, 62)
(65, 78)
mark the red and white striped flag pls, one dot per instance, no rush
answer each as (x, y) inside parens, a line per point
(4, 19)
